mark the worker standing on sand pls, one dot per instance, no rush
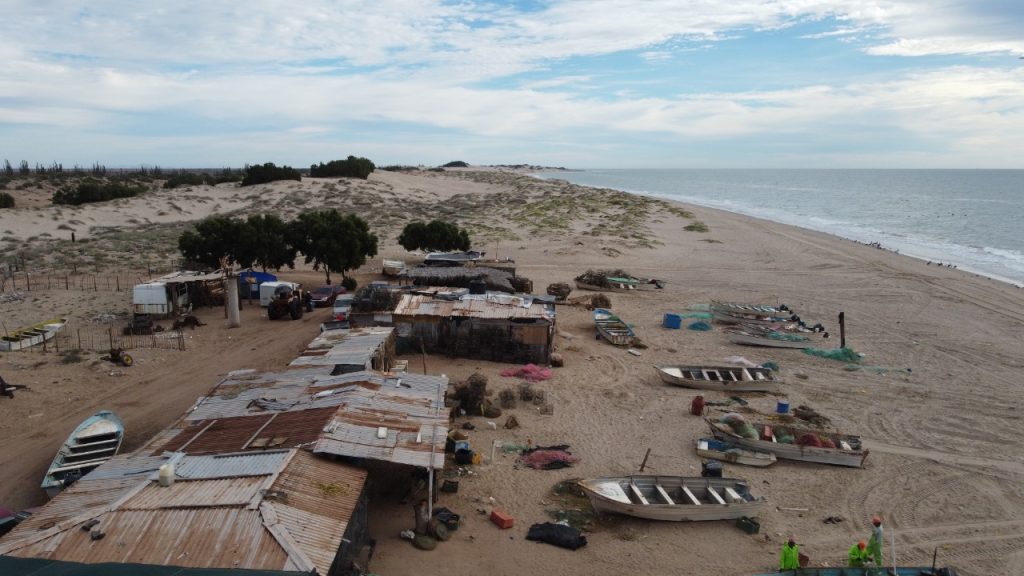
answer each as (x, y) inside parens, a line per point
(789, 558)
(875, 542)
(859, 555)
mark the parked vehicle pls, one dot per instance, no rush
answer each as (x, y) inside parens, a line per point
(160, 298)
(287, 302)
(325, 295)
(342, 307)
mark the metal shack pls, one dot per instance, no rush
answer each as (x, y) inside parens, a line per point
(174, 293)
(497, 327)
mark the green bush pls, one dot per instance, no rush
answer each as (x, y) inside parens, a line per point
(436, 236)
(6, 200)
(92, 190)
(349, 283)
(351, 167)
(269, 173)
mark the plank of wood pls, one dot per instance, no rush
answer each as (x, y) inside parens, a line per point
(715, 495)
(746, 375)
(733, 495)
(636, 492)
(664, 495)
(690, 495)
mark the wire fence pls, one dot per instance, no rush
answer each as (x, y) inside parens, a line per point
(105, 338)
(112, 282)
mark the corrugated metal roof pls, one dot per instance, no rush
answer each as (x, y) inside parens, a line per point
(196, 494)
(278, 429)
(355, 347)
(202, 523)
(489, 306)
(230, 465)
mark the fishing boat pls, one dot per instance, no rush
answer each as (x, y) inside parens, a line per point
(93, 442)
(452, 258)
(728, 452)
(622, 285)
(724, 378)
(772, 338)
(393, 267)
(31, 335)
(612, 329)
(794, 443)
(751, 309)
(674, 498)
(723, 316)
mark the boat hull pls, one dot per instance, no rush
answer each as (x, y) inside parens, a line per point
(707, 448)
(32, 335)
(617, 287)
(664, 498)
(722, 378)
(751, 340)
(833, 456)
(93, 442)
(612, 328)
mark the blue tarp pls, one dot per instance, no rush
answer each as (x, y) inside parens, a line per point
(244, 286)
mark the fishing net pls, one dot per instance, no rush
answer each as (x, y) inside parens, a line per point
(529, 372)
(842, 354)
(697, 315)
(786, 336)
(548, 459)
(699, 326)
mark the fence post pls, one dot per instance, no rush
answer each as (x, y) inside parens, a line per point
(79, 338)
(118, 280)
(66, 282)
(28, 282)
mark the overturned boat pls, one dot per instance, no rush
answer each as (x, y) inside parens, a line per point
(92, 443)
(673, 498)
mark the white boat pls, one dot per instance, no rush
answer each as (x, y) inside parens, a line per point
(848, 450)
(723, 316)
(728, 452)
(31, 335)
(673, 498)
(93, 442)
(769, 339)
(393, 267)
(622, 285)
(724, 378)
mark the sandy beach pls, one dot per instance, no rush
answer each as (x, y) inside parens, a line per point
(937, 399)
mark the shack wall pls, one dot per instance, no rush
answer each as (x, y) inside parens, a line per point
(499, 340)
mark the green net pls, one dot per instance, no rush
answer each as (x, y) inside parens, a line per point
(787, 336)
(842, 354)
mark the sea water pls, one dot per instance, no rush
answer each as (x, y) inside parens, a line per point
(973, 219)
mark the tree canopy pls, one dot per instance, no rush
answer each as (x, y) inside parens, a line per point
(261, 174)
(436, 236)
(351, 167)
(265, 243)
(214, 238)
(332, 241)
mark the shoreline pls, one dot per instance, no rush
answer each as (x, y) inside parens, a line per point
(908, 249)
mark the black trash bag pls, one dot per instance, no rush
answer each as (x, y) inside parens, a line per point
(558, 535)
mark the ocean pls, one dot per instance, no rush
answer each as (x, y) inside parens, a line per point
(973, 219)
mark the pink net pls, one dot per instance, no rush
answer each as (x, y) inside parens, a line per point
(548, 459)
(530, 372)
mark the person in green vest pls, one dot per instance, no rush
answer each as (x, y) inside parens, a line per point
(859, 555)
(875, 542)
(789, 558)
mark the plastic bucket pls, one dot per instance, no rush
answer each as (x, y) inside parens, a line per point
(461, 445)
(673, 321)
(782, 407)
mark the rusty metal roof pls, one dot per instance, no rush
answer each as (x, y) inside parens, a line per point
(493, 306)
(355, 347)
(284, 429)
(284, 510)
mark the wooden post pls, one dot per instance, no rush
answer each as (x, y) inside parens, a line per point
(28, 282)
(79, 338)
(66, 285)
(423, 351)
(644, 463)
(842, 329)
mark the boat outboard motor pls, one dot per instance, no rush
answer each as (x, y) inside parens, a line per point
(784, 308)
(794, 318)
(711, 469)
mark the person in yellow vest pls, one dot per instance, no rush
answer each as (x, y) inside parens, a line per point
(859, 555)
(789, 558)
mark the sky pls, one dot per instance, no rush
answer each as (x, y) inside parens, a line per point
(573, 83)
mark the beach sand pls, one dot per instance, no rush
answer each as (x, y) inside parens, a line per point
(937, 400)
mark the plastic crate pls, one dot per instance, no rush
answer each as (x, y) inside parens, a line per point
(748, 525)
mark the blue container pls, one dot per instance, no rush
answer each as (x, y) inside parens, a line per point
(782, 407)
(673, 321)
(461, 445)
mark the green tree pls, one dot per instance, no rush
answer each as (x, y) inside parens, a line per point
(436, 236)
(8, 169)
(332, 241)
(261, 174)
(351, 167)
(264, 242)
(214, 238)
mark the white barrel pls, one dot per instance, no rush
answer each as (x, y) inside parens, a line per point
(166, 475)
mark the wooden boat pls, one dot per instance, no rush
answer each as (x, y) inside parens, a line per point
(728, 317)
(393, 267)
(612, 329)
(848, 450)
(622, 285)
(673, 498)
(751, 309)
(32, 335)
(772, 338)
(728, 452)
(93, 442)
(724, 378)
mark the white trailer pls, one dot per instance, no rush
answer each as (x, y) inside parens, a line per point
(159, 298)
(267, 290)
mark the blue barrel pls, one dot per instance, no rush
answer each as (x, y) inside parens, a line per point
(673, 321)
(782, 407)
(461, 445)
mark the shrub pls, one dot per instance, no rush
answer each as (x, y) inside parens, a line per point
(456, 164)
(351, 167)
(435, 236)
(92, 190)
(269, 173)
(6, 200)
(696, 227)
(349, 283)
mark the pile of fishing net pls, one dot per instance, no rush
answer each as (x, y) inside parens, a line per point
(787, 336)
(600, 277)
(699, 326)
(529, 372)
(739, 425)
(842, 354)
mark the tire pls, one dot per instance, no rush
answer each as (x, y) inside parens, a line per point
(270, 312)
(295, 309)
(127, 360)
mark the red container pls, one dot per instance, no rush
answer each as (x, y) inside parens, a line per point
(766, 435)
(501, 519)
(697, 406)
